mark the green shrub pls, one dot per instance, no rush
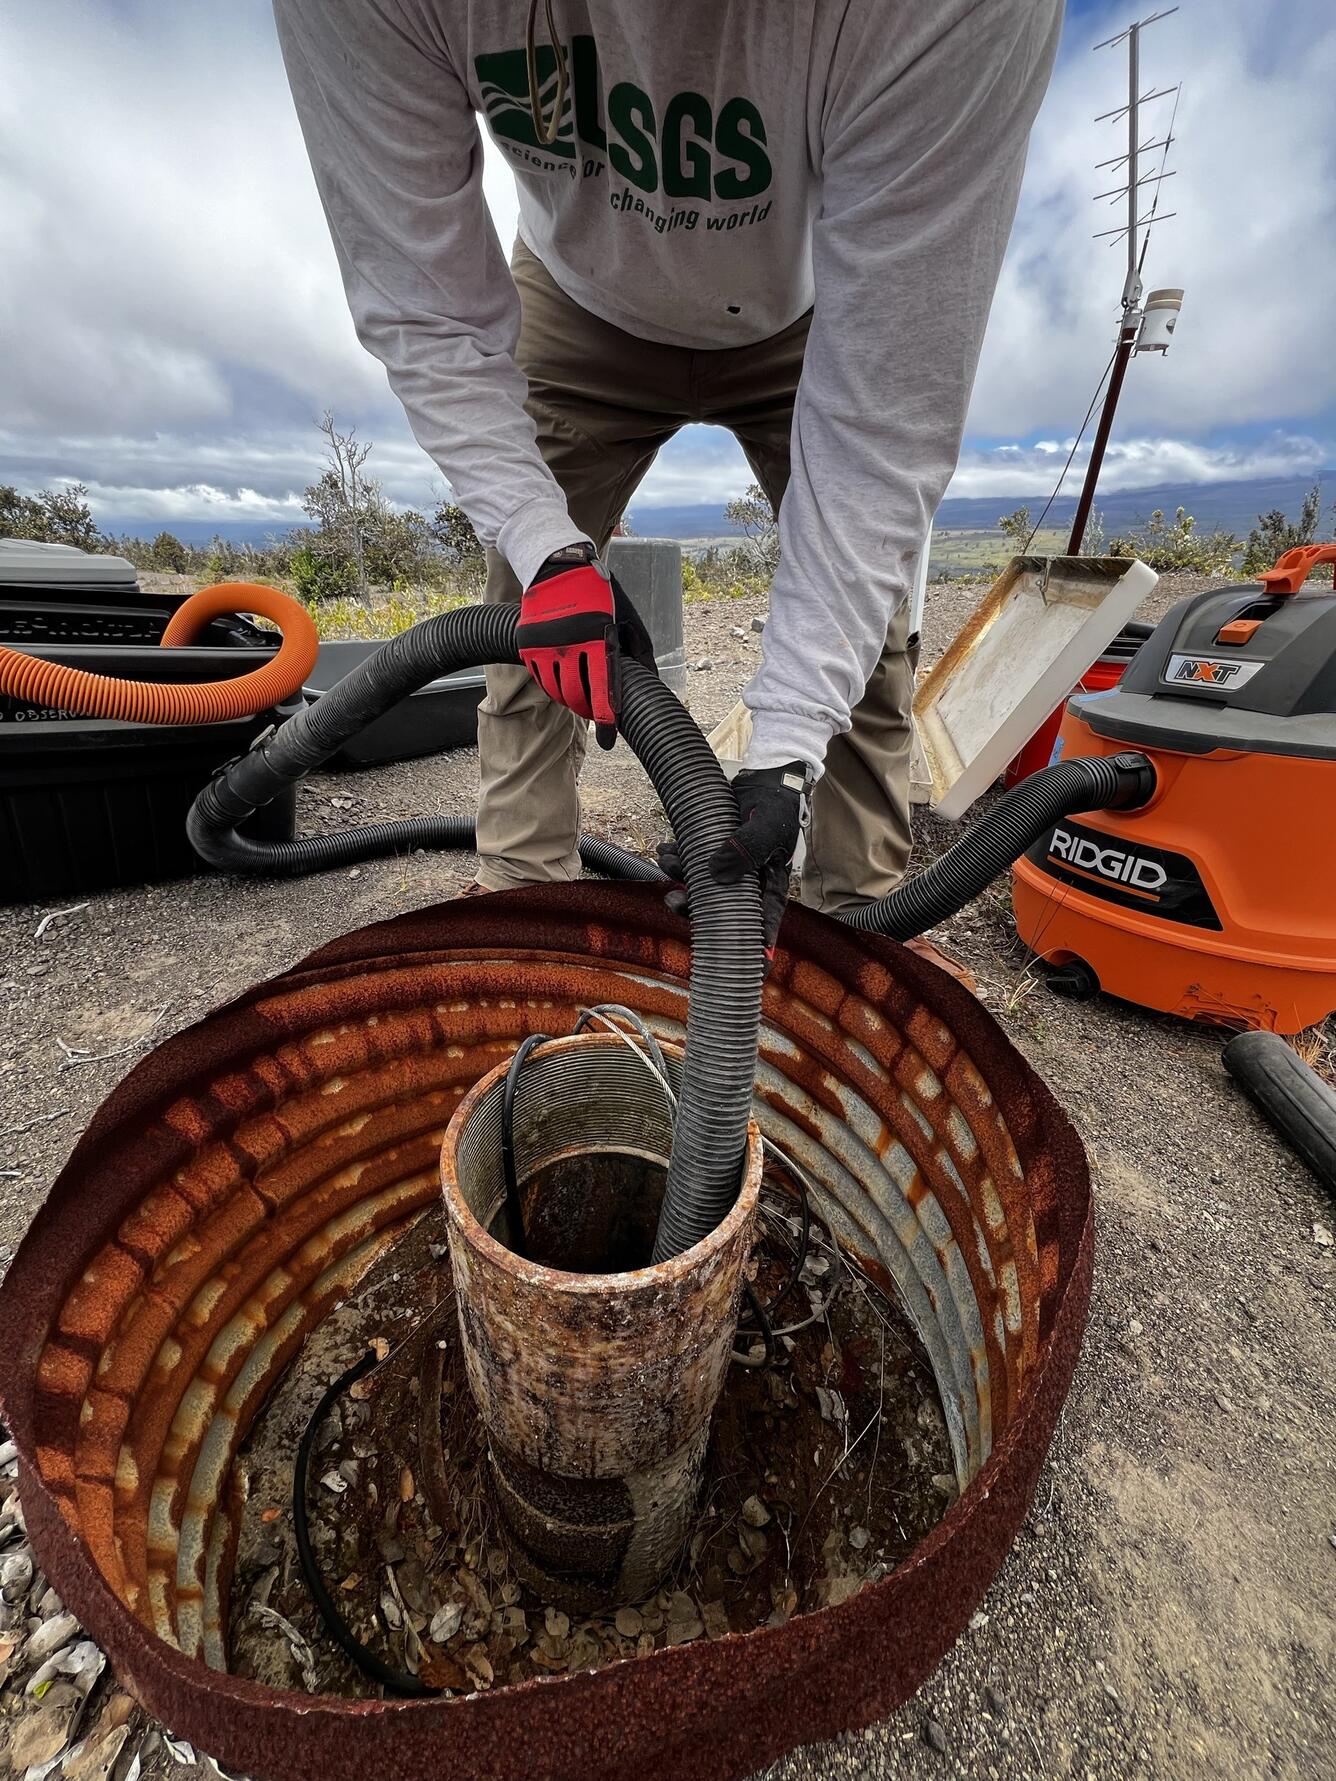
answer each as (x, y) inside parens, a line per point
(463, 554)
(1016, 529)
(52, 516)
(1165, 545)
(170, 554)
(317, 576)
(724, 575)
(1273, 534)
(348, 616)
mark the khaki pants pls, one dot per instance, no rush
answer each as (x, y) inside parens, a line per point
(604, 402)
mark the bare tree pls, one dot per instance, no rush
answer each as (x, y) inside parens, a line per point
(754, 516)
(344, 486)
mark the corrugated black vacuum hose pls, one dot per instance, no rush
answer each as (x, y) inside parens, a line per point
(996, 841)
(723, 1014)
(724, 1001)
(469, 637)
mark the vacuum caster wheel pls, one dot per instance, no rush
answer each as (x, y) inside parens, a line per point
(1074, 980)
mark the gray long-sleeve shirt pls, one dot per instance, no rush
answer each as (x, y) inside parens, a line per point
(721, 166)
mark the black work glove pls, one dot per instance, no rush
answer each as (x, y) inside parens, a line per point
(576, 622)
(772, 812)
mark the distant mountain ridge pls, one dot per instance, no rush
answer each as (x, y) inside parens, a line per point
(1233, 506)
(1230, 506)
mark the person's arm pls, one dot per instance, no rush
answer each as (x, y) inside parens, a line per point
(397, 158)
(922, 143)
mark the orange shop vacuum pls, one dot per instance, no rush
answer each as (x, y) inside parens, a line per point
(1216, 899)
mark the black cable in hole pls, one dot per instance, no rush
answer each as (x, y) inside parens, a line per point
(763, 1329)
(400, 1681)
(518, 1239)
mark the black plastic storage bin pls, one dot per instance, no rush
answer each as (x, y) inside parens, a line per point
(30, 621)
(88, 805)
(443, 714)
(52, 594)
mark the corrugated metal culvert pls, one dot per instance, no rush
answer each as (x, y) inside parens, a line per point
(245, 1175)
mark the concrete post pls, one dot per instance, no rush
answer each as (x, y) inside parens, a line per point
(650, 570)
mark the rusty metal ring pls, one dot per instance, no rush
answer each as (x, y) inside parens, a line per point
(243, 1176)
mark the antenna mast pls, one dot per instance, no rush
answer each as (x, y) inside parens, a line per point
(1134, 333)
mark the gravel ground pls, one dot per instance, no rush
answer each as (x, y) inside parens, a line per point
(1168, 1610)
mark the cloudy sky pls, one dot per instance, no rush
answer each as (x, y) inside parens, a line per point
(171, 320)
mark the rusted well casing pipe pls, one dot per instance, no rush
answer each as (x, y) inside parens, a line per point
(596, 1388)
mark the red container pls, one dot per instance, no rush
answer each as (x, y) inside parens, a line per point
(1038, 751)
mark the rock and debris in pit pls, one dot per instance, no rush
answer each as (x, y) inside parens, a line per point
(801, 1506)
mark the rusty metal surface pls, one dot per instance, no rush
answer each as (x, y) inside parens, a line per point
(596, 1390)
(245, 1172)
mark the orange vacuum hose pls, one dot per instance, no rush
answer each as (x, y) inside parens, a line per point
(97, 695)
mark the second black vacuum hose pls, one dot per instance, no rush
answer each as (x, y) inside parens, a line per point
(996, 841)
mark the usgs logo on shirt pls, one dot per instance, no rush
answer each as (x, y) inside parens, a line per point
(688, 152)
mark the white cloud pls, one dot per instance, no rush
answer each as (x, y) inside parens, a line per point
(225, 508)
(275, 466)
(171, 318)
(165, 249)
(1140, 463)
(709, 466)
(702, 464)
(238, 481)
(1253, 242)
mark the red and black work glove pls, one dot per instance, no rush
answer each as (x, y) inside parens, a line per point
(575, 625)
(772, 813)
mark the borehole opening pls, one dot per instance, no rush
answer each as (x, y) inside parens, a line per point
(590, 1131)
(594, 1213)
(596, 1395)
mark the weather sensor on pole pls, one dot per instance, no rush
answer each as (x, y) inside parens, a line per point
(1147, 329)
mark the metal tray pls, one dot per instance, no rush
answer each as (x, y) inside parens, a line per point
(1036, 631)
